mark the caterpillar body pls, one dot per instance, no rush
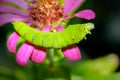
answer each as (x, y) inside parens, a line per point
(71, 35)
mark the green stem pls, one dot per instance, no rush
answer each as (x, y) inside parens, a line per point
(51, 56)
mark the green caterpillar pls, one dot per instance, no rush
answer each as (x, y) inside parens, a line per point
(71, 35)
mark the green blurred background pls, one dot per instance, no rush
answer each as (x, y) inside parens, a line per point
(100, 52)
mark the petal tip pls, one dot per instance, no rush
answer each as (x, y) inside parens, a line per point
(12, 42)
(24, 54)
(72, 53)
(38, 55)
(86, 14)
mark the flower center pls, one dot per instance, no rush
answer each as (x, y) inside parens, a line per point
(46, 12)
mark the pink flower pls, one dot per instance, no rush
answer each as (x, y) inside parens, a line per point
(43, 15)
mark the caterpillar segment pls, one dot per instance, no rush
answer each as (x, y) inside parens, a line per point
(37, 39)
(67, 36)
(63, 43)
(47, 39)
(29, 34)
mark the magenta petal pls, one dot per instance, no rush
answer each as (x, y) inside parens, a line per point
(70, 5)
(21, 3)
(24, 53)
(59, 28)
(46, 28)
(86, 14)
(12, 42)
(38, 55)
(6, 18)
(38, 28)
(72, 53)
(12, 10)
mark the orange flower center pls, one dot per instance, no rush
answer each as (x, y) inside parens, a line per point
(46, 12)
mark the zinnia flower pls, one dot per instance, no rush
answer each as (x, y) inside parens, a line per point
(44, 15)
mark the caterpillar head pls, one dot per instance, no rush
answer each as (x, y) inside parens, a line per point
(88, 27)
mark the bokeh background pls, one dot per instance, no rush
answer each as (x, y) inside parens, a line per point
(105, 40)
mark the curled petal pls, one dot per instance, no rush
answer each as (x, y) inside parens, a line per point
(24, 53)
(12, 10)
(86, 14)
(6, 18)
(20, 3)
(12, 42)
(59, 28)
(70, 5)
(38, 55)
(72, 53)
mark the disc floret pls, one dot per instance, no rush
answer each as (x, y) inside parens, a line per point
(46, 12)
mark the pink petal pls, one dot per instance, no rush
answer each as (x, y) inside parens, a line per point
(59, 28)
(24, 53)
(12, 10)
(72, 53)
(70, 5)
(21, 3)
(38, 55)
(38, 28)
(6, 18)
(12, 42)
(46, 28)
(86, 14)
